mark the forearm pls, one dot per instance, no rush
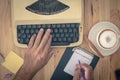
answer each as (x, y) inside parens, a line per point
(23, 74)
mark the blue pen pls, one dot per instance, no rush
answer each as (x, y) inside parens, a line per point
(82, 71)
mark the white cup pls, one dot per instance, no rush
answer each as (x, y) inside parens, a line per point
(108, 39)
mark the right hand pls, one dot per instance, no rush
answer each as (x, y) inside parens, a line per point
(38, 52)
(37, 55)
(87, 71)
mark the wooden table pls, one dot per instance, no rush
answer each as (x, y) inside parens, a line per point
(95, 11)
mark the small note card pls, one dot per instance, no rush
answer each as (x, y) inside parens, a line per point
(13, 62)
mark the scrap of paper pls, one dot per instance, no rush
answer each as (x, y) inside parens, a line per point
(13, 62)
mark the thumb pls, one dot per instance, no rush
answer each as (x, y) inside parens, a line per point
(77, 73)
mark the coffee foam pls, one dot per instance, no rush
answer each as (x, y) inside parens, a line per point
(107, 39)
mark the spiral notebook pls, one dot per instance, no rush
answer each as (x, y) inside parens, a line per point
(67, 64)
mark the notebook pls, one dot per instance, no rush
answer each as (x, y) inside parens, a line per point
(66, 66)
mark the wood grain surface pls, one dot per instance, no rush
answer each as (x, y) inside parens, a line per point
(95, 11)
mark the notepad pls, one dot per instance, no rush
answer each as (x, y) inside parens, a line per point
(78, 54)
(13, 62)
(66, 66)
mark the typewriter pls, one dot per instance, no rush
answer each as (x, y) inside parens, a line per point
(64, 18)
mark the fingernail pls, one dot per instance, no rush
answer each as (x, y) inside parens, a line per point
(49, 30)
(41, 29)
(34, 34)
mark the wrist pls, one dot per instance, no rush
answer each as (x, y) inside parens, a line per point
(24, 74)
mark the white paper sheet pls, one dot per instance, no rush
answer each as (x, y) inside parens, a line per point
(77, 55)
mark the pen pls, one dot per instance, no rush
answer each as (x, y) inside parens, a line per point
(82, 71)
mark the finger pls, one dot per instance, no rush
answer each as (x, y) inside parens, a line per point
(51, 49)
(31, 42)
(77, 73)
(47, 46)
(38, 38)
(45, 39)
(50, 54)
(77, 66)
(86, 67)
(88, 70)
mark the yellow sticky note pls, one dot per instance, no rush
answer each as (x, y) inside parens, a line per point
(13, 62)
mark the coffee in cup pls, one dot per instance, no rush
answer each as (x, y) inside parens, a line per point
(107, 39)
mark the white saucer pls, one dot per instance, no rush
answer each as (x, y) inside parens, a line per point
(95, 31)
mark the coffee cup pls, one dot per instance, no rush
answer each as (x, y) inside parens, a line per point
(108, 38)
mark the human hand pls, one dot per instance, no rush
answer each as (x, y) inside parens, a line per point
(38, 52)
(37, 55)
(88, 72)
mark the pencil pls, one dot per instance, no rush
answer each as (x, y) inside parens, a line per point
(82, 71)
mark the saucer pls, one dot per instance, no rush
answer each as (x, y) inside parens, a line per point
(94, 33)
